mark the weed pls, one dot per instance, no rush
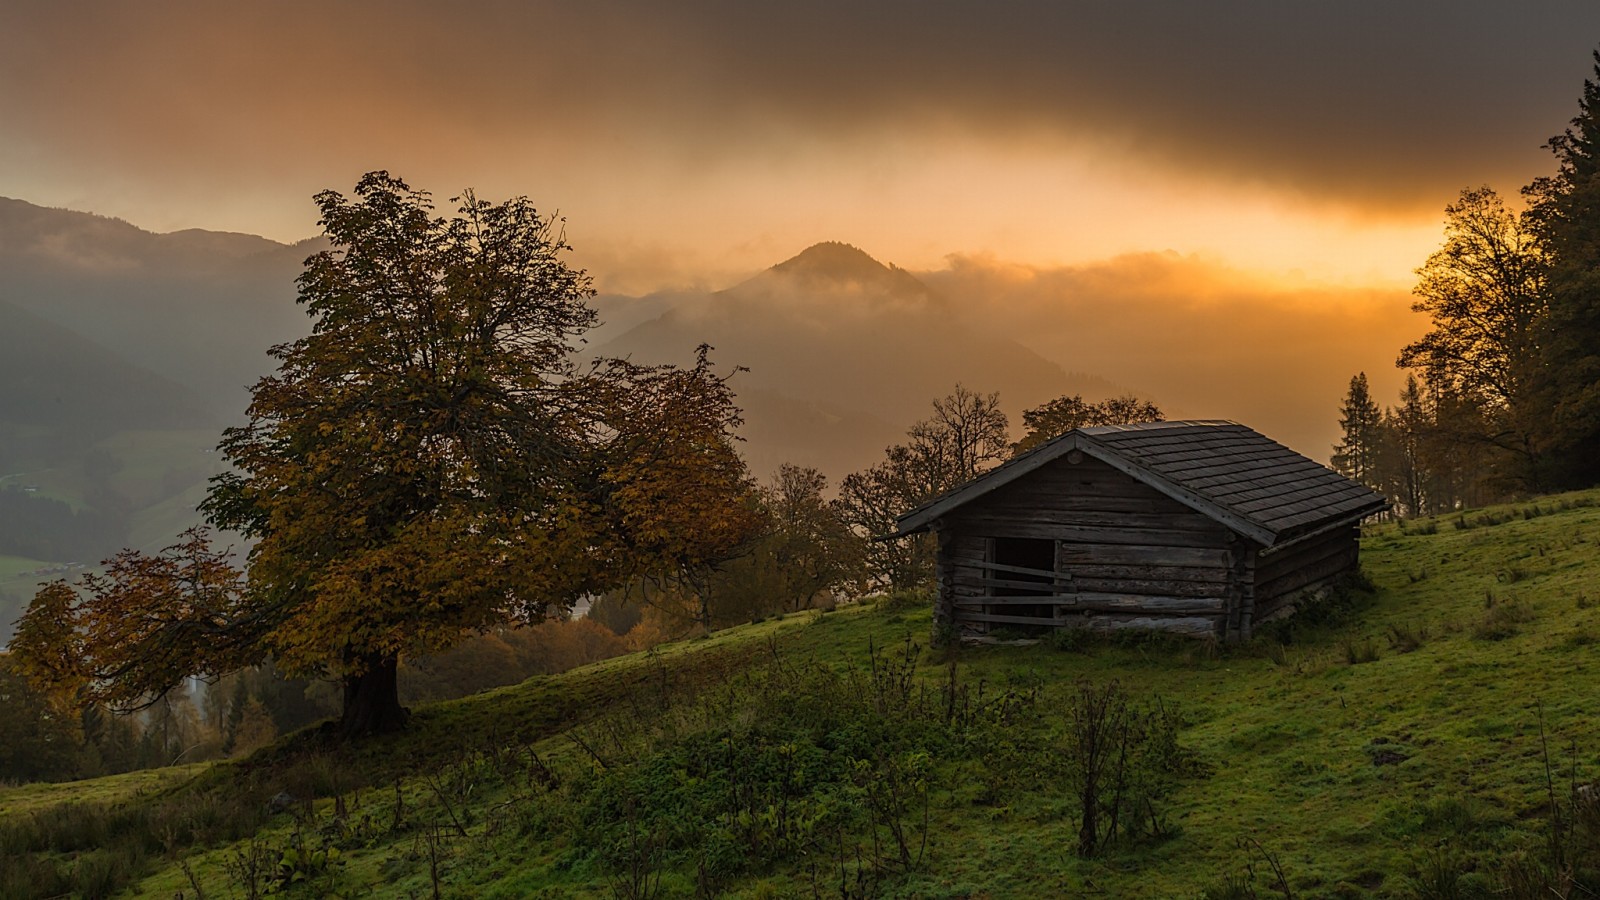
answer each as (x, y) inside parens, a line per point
(1449, 815)
(1438, 877)
(1242, 886)
(1502, 620)
(1569, 864)
(1070, 640)
(251, 867)
(1277, 652)
(1364, 650)
(1511, 575)
(1405, 638)
(29, 875)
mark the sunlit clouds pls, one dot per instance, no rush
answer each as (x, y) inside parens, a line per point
(692, 142)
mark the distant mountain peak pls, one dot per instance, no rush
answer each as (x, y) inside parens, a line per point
(834, 265)
(834, 260)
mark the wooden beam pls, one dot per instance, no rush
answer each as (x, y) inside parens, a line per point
(1020, 570)
(1131, 603)
(965, 616)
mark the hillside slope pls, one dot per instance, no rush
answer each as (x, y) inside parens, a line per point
(197, 307)
(1397, 738)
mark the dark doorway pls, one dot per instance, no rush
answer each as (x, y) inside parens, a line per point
(1037, 554)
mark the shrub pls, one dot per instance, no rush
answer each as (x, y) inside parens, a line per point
(1122, 758)
(1501, 620)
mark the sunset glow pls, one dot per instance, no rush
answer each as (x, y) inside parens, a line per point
(703, 143)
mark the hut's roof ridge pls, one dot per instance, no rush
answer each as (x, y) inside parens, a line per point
(1228, 471)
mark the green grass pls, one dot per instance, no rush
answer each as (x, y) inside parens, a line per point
(17, 568)
(1354, 748)
(29, 798)
(157, 464)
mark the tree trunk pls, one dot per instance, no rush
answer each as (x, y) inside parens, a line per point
(372, 700)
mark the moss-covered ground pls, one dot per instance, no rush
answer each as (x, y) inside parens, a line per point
(1408, 741)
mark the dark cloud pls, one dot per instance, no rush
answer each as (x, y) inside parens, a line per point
(1359, 102)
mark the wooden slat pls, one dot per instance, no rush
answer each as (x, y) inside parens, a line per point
(1126, 555)
(1019, 585)
(1303, 577)
(1098, 602)
(1136, 602)
(1151, 587)
(1062, 525)
(1194, 626)
(1020, 570)
(975, 601)
(1313, 553)
(1042, 599)
(966, 616)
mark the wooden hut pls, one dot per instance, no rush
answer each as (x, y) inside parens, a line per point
(1202, 528)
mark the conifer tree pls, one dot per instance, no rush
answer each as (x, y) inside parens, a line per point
(1565, 211)
(1356, 456)
(1408, 425)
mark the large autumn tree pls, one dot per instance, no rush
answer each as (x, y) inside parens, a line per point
(432, 459)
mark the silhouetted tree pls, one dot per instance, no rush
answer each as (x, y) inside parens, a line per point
(1063, 414)
(1484, 290)
(813, 550)
(1565, 214)
(41, 739)
(966, 436)
(1361, 421)
(1407, 427)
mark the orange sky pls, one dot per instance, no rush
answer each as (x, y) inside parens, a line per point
(692, 142)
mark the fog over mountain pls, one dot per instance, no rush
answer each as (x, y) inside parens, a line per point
(843, 354)
(198, 308)
(123, 353)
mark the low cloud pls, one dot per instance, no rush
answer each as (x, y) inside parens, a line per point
(1204, 340)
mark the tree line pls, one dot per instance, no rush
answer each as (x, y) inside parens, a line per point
(1503, 395)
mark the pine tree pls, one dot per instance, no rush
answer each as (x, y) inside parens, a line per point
(1356, 456)
(1565, 210)
(1408, 425)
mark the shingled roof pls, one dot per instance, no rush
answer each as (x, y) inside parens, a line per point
(1237, 476)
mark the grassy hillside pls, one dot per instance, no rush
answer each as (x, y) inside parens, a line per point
(1408, 742)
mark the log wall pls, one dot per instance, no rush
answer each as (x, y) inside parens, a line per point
(1126, 556)
(1286, 575)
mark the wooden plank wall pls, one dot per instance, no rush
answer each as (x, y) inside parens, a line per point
(1130, 556)
(1285, 575)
